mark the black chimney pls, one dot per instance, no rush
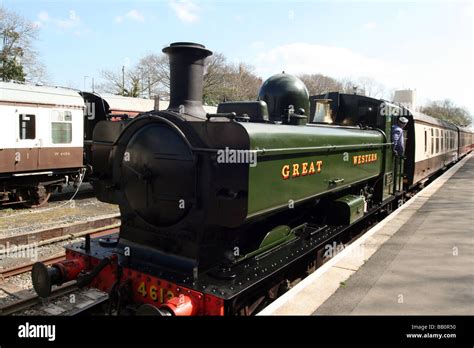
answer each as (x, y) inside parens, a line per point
(186, 77)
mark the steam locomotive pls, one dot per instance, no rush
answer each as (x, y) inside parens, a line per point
(218, 209)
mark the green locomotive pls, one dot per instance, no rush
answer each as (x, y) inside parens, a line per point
(222, 205)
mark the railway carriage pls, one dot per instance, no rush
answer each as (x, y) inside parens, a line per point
(431, 145)
(465, 140)
(41, 141)
(46, 138)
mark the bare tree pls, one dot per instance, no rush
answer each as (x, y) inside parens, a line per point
(349, 86)
(448, 111)
(246, 83)
(214, 76)
(154, 74)
(19, 59)
(124, 82)
(320, 84)
(229, 82)
(151, 77)
(370, 87)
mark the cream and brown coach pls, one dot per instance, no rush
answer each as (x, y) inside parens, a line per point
(41, 141)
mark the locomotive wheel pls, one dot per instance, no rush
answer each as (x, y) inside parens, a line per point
(37, 197)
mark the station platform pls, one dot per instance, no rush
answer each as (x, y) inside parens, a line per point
(417, 261)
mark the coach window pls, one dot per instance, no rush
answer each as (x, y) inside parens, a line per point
(61, 127)
(437, 140)
(27, 126)
(426, 140)
(442, 140)
(432, 141)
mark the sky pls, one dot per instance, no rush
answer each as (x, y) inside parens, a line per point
(422, 45)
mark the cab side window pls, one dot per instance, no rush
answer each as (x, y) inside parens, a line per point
(27, 126)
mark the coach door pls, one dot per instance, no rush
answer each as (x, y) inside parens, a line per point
(26, 150)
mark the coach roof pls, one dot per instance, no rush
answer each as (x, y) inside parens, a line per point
(124, 104)
(418, 116)
(18, 93)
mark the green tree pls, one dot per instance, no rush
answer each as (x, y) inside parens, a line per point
(18, 59)
(11, 53)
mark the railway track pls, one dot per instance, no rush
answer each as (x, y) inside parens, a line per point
(84, 299)
(54, 197)
(66, 299)
(77, 230)
(66, 195)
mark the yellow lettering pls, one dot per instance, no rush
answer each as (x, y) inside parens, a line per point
(142, 289)
(319, 164)
(153, 294)
(285, 171)
(296, 170)
(304, 170)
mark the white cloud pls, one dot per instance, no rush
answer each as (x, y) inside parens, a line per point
(238, 18)
(333, 61)
(133, 15)
(370, 25)
(71, 21)
(43, 16)
(186, 10)
(432, 80)
(257, 44)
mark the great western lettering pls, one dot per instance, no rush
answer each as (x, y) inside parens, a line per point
(301, 169)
